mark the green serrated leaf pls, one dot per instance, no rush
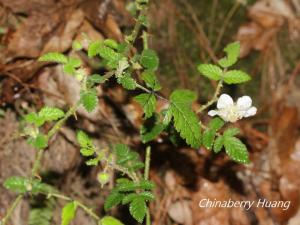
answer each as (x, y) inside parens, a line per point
(42, 215)
(216, 124)
(17, 184)
(94, 47)
(210, 71)
(185, 120)
(89, 100)
(68, 213)
(138, 209)
(146, 185)
(69, 69)
(129, 198)
(40, 142)
(76, 45)
(83, 139)
(51, 113)
(96, 79)
(148, 102)
(143, 20)
(34, 118)
(38, 187)
(149, 59)
(54, 57)
(150, 133)
(236, 150)
(233, 51)
(150, 79)
(127, 82)
(111, 43)
(231, 132)
(87, 151)
(75, 62)
(208, 138)
(113, 199)
(109, 220)
(219, 142)
(110, 56)
(92, 162)
(236, 77)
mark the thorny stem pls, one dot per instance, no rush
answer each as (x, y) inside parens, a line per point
(214, 98)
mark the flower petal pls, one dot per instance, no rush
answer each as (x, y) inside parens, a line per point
(244, 103)
(213, 113)
(224, 101)
(250, 112)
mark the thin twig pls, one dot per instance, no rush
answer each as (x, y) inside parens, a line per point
(11, 209)
(146, 177)
(214, 98)
(225, 24)
(81, 205)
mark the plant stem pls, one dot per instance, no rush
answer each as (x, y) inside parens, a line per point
(145, 39)
(81, 205)
(11, 209)
(54, 130)
(146, 177)
(214, 99)
(147, 163)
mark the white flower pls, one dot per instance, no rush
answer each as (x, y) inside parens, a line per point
(231, 111)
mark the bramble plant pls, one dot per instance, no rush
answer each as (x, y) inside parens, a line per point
(134, 187)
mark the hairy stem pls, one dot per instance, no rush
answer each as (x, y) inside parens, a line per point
(147, 163)
(11, 209)
(88, 210)
(54, 130)
(146, 177)
(214, 98)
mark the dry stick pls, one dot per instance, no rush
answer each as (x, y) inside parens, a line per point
(212, 17)
(199, 27)
(225, 24)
